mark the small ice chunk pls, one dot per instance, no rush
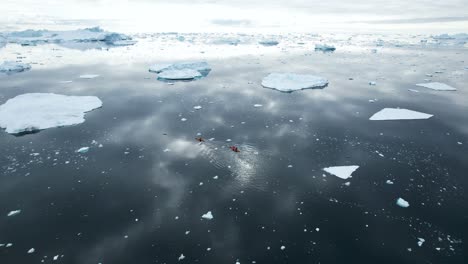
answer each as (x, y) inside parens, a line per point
(181, 257)
(56, 257)
(372, 83)
(324, 47)
(398, 114)
(44, 110)
(197, 107)
(199, 66)
(31, 251)
(437, 86)
(13, 213)
(11, 66)
(257, 105)
(283, 248)
(402, 203)
(343, 172)
(89, 76)
(389, 182)
(289, 82)
(83, 150)
(184, 74)
(421, 241)
(208, 215)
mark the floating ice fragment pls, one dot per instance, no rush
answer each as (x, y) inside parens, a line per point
(31, 251)
(13, 213)
(324, 47)
(343, 172)
(372, 83)
(257, 105)
(11, 66)
(402, 203)
(208, 216)
(37, 111)
(389, 182)
(398, 114)
(56, 257)
(421, 241)
(83, 150)
(413, 90)
(437, 86)
(181, 257)
(289, 82)
(201, 67)
(185, 74)
(197, 107)
(89, 76)
(283, 248)
(268, 42)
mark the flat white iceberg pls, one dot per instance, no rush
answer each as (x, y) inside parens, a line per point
(343, 172)
(185, 74)
(11, 66)
(398, 114)
(437, 86)
(402, 203)
(83, 150)
(290, 82)
(36, 111)
(324, 47)
(13, 213)
(208, 216)
(89, 76)
(30, 251)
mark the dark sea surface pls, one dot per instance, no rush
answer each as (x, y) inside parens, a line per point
(139, 198)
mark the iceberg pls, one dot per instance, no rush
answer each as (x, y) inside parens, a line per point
(437, 86)
(208, 215)
(181, 70)
(89, 76)
(13, 213)
(11, 66)
(290, 82)
(324, 47)
(32, 250)
(95, 34)
(402, 203)
(36, 111)
(342, 172)
(83, 150)
(398, 114)
(268, 42)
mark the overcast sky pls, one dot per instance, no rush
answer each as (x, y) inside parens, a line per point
(219, 15)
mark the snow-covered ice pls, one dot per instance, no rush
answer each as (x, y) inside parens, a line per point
(89, 76)
(83, 150)
(343, 172)
(437, 86)
(402, 203)
(11, 66)
(184, 74)
(181, 71)
(289, 82)
(208, 215)
(13, 213)
(398, 114)
(37, 111)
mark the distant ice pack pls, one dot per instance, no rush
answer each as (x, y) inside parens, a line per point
(36, 111)
(399, 114)
(343, 172)
(290, 82)
(181, 70)
(437, 86)
(12, 66)
(95, 34)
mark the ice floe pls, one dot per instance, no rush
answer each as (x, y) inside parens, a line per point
(208, 215)
(398, 114)
(343, 172)
(89, 35)
(11, 66)
(437, 86)
(83, 150)
(181, 71)
(290, 82)
(402, 203)
(36, 111)
(268, 42)
(89, 76)
(32, 250)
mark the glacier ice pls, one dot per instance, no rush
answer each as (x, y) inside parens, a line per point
(398, 114)
(12, 66)
(290, 82)
(36, 111)
(437, 86)
(343, 172)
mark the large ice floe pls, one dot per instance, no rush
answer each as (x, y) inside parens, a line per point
(343, 172)
(36, 111)
(181, 70)
(437, 86)
(399, 114)
(95, 34)
(12, 67)
(290, 82)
